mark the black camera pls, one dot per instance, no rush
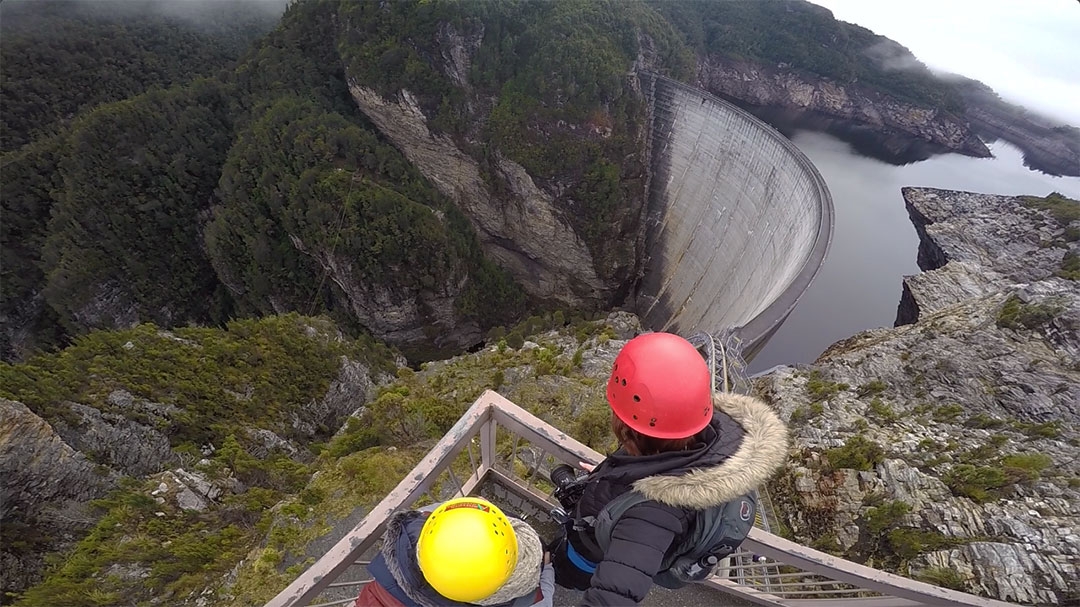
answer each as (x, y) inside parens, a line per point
(568, 487)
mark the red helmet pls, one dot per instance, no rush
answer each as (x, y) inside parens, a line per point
(661, 387)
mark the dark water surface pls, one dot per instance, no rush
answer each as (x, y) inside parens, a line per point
(874, 244)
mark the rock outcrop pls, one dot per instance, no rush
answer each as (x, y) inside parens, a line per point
(44, 489)
(977, 244)
(782, 87)
(116, 440)
(403, 315)
(963, 425)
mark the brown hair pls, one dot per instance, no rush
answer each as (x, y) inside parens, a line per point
(637, 443)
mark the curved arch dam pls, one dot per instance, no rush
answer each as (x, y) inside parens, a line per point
(739, 220)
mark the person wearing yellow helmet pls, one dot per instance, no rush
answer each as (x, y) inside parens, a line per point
(463, 552)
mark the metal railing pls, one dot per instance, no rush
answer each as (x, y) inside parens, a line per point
(516, 452)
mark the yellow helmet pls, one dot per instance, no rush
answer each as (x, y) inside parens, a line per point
(467, 549)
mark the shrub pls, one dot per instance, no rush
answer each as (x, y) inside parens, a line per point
(820, 389)
(886, 516)
(982, 420)
(909, 543)
(858, 453)
(872, 388)
(593, 426)
(980, 483)
(1051, 429)
(1025, 467)
(882, 411)
(1070, 267)
(515, 339)
(802, 414)
(947, 413)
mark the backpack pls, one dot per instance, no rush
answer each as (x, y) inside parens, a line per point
(713, 534)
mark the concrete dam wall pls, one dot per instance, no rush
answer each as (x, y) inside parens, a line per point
(739, 220)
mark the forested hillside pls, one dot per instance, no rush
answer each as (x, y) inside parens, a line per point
(163, 165)
(807, 37)
(60, 58)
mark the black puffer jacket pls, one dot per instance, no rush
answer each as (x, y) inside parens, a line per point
(742, 446)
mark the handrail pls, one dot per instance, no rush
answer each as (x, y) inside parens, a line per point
(483, 419)
(348, 550)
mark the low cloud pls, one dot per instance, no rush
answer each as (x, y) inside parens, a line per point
(1026, 51)
(891, 56)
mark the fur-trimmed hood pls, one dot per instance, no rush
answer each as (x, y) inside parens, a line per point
(762, 451)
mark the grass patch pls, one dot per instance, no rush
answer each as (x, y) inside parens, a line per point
(821, 389)
(943, 577)
(1064, 210)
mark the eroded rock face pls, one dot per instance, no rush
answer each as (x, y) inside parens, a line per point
(44, 487)
(117, 441)
(521, 231)
(765, 85)
(354, 387)
(400, 315)
(37, 468)
(962, 406)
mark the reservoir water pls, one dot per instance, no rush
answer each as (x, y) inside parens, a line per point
(874, 244)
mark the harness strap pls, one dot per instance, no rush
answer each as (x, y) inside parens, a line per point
(579, 561)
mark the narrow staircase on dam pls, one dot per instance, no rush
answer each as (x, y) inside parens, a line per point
(502, 452)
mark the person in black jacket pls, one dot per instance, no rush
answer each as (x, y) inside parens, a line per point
(682, 447)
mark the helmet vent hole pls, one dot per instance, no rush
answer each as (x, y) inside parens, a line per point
(616, 368)
(637, 399)
(623, 382)
(635, 417)
(652, 422)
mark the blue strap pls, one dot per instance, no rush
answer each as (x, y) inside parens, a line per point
(579, 561)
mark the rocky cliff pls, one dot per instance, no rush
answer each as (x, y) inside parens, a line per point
(946, 448)
(45, 487)
(521, 228)
(782, 86)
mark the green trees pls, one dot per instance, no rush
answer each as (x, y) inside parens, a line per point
(138, 177)
(58, 58)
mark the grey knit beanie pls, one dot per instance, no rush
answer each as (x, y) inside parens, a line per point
(526, 575)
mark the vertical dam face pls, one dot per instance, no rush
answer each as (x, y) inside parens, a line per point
(739, 220)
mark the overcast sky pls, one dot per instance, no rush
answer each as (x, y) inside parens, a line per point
(1026, 50)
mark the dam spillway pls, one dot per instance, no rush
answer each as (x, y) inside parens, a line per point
(739, 220)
